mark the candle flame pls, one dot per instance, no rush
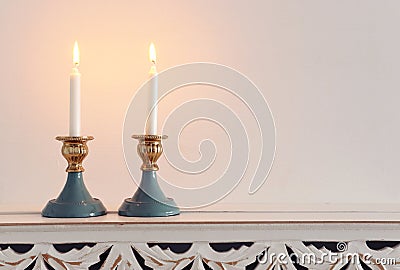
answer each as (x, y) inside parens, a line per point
(152, 53)
(76, 57)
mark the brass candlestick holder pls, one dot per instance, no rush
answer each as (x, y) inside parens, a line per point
(74, 200)
(149, 200)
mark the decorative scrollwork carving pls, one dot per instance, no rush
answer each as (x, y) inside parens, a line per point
(288, 255)
(42, 254)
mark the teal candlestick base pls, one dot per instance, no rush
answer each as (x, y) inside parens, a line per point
(74, 201)
(148, 200)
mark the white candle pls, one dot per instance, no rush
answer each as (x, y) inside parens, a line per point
(152, 111)
(75, 96)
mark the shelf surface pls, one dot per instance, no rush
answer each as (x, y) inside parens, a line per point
(217, 226)
(218, 216)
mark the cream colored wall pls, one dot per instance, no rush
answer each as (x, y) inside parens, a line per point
(328, 69)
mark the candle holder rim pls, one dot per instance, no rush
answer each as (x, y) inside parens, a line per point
(149, 137)
(74, 138)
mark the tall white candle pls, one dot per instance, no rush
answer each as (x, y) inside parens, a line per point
(152, 110)
(75, 96)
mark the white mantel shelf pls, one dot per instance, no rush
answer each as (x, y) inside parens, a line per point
(212, 226)
(120, 238)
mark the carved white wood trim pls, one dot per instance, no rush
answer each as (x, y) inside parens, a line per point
(121, 255)
(112, 241)
(74, 259)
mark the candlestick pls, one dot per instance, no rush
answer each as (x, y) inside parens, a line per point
(149, 200)
(74, 200)
(75, 96)
(152, 107)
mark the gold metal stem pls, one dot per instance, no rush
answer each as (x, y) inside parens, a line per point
(149, 149)
(74, 150)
